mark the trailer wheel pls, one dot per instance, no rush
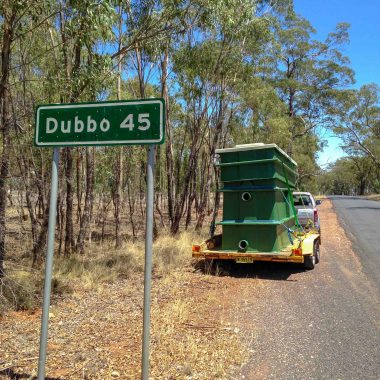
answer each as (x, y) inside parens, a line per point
(317, 251)
(309, 262)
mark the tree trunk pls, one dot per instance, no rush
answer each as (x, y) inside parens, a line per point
(190, 203)
(89, 199)
(60, 214)
(25, 170)
(168, 137)
(117, 193)
(216, 202)
(75, 92)
(206, 192)
(178, 210)
(131, 204)
(41, 240)
(9, 16)
(69, 230)
(79, 190)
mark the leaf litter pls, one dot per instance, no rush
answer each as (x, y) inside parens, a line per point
(97, 334)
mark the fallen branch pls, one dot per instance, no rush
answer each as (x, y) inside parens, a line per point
(14, 365)
(200, 327)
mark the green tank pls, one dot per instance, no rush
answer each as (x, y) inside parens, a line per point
(256, 181)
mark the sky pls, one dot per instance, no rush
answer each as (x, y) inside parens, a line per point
(363, 49)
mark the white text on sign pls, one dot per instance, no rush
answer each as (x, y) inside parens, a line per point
(90, 125)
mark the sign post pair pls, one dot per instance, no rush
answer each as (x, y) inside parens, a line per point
(134, 122)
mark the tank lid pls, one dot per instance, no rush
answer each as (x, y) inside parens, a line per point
(254, 146)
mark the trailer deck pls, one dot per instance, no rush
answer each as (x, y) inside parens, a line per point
(303, 245)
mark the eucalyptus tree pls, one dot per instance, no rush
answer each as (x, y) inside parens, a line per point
(359, 116)
(145, 31)
(208, 65)
(19, 20)
(81, 26)
(264, 113)
(352, 175)
(58, 59)
(309, 74)
(9, 15)
(337, 178)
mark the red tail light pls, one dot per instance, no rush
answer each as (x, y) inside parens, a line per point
(196, 248)
(297, 251)
(315, 216)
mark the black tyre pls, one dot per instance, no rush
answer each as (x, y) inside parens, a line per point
(309, 262)
(317, 251)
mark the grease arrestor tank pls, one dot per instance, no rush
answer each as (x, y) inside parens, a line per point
(256, 183)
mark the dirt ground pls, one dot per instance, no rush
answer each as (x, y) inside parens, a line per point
(203, 326)
(98, 335)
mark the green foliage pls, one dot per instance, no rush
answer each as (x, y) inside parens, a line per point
(350, 176)
(89, 20)
(359, 114)
(308, 75)
(267, 117)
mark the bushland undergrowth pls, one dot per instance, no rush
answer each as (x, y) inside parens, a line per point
(22, 287)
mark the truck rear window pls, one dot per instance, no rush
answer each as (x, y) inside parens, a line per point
(303, 200)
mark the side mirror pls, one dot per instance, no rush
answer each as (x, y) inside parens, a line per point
(318, 202)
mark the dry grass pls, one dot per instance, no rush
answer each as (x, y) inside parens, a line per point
(173, 252)
(373, 197)
(190, 339)
(105, 264)
(98, 325)
(96, 313)
(19, 290)
(102, 264)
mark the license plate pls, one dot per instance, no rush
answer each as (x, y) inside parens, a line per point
(244, 260)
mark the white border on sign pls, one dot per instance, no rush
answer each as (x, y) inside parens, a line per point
(110, 104)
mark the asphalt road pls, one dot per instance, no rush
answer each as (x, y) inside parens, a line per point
(361, 221)
(313, 325)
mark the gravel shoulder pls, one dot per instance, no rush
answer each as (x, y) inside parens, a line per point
(320, 324)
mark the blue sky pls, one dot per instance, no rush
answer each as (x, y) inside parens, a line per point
(363, 49)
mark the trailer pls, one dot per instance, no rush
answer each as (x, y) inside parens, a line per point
(260, 221)
(304, 250)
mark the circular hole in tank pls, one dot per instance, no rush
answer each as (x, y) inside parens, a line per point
(246, 196)
(243, 244)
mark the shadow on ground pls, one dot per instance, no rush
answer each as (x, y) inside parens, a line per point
(364, 208)
(10, 374)
(261, 270)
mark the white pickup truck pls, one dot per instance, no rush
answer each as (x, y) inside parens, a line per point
(307, 211)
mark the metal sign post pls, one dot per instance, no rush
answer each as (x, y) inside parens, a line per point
(135, 122)
(148, 263)
(49, 264)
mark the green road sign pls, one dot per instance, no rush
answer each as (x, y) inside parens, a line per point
(135, 122)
